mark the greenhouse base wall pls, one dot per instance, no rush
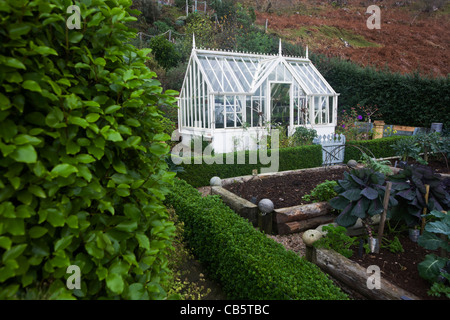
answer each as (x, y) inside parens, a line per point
(230, 140)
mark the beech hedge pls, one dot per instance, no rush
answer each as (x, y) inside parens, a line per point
(82, 171)
(246, 263)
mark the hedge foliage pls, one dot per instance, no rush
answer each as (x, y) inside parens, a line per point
(82, 171)
(289, 159)
(412, 99)
(381, 148)
(247, 263)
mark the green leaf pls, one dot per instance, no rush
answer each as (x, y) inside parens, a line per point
(18, 29)
(127, 226)
(37, 191)
(4, 102)
(37, 232)
(5, 242)
(78, 121)
(100, 61)
(43, 50)
(63, 170)
(120, 167)
(75, 37)
(430, 241)
(85, 158)
(92, 117)
(159, 149)
(113, 135)
(136, 291)
(25, 153)
(438, 227)
(14, 252)
(55, 217)
(62, 243)
(143, 241)
(429, 269)
(14, 63)
(112, 109)
(31, 85)
(115, 283)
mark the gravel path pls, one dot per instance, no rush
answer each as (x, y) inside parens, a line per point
(292, 242)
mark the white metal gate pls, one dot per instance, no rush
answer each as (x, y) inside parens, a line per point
(333, 148)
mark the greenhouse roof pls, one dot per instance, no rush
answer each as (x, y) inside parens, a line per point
(242, 73)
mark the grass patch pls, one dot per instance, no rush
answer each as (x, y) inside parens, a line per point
(353, 39)
(328, 34)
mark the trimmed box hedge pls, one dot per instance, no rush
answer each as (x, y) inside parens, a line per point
(247, 263)
(381, 148)
(293, 158)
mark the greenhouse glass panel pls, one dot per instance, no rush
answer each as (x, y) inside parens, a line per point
(236, 91)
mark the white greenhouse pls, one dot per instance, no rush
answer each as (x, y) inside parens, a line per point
(232, 98)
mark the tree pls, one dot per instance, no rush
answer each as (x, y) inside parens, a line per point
(164, 51)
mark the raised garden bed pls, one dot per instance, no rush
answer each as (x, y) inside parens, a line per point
(354, 276)
(285, 189)
(291, 214)
(400, 279)
(400, 268)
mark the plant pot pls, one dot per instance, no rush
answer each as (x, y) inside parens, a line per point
(414, 234)
(373, 245)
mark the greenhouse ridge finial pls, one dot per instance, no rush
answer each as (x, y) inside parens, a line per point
(279, 49)
(193, 41)
(307, 52)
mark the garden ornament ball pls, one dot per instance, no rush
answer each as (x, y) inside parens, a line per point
(215, 182)
(311, 236)
(266, 206)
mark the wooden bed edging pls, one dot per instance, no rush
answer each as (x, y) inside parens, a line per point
(355, 276)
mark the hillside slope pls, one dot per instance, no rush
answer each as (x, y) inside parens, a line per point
(409, 40)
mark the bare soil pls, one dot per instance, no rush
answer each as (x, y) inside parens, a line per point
(400, 268)
(287, 190)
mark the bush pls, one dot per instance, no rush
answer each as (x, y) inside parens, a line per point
(322, 192)
(165, 52)
(411, 99)
(293, 158)
(246, 263)
(381, 148)
(304, 136)
(82, 172)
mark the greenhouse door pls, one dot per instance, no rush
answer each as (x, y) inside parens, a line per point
(280, 105)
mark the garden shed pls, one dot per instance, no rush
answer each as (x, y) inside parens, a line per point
(233, 98)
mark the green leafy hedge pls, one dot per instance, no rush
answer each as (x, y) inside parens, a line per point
(411, 99)
(289, 159)
(381, 148)
(247, 263)
(82, 171)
